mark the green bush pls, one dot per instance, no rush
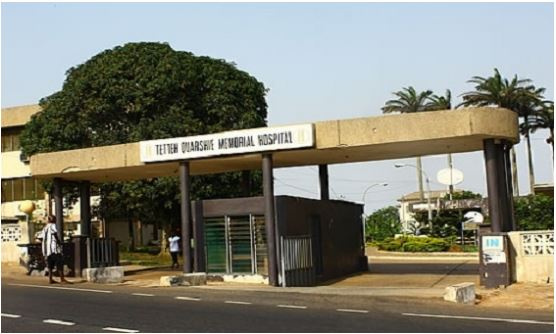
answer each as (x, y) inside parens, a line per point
(534, 212)
(414, 244)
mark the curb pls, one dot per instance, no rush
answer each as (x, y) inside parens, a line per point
(374, 257)
(139, 270)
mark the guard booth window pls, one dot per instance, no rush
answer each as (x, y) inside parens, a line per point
(236, 244)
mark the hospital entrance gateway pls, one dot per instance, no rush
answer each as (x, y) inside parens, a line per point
(288, 240)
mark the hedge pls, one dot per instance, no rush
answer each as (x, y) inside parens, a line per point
(414, 244)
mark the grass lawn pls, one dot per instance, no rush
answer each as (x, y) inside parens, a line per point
(146, 259)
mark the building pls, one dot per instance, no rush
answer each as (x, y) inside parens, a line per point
(411, 203)
(18, 185)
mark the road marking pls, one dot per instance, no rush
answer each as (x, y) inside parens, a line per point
(292, 306)
(61, 288)
(58, 322)
(351, 310)
(235, 302)
(479, 318)
(121, 330)
(143, 294)
(193, 299)
(7, 315)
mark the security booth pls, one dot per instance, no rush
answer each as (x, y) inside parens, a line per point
(317, 240)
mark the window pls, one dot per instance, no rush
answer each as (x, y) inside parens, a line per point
(18, 190)
(10, 140)
(21, 189)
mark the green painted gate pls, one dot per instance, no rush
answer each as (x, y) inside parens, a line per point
(236, 244)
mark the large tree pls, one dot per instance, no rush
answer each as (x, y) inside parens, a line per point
(518, 95)
(410, 101)
(143, 91)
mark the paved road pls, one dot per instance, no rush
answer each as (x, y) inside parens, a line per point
(31, 307)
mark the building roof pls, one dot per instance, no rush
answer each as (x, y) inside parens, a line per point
(545, 189)
(414, 196)
(18, 116)
(337, 141)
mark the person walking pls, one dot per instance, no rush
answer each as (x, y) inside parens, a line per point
(52, 249)
(174, 243)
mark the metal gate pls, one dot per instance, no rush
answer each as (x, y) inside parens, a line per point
(297, 261)
(236, 244)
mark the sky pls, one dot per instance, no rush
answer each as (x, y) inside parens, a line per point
(320, 61)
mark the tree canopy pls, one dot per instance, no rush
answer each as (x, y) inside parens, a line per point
(382, 224)
(143, 91)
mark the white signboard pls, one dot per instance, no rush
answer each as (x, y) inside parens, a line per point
(493, 243)
(226, 143)
(493, 249)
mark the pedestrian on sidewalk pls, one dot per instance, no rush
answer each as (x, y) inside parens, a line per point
(174, 243)
(52, 249)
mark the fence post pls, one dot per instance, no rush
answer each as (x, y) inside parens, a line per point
(88, 243)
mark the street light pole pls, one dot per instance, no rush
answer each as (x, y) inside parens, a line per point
(429, 209)
(384, 184)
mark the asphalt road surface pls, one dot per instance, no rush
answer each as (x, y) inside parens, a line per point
(30, 307)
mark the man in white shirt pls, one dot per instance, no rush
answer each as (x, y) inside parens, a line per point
(174, 243)
(52, 249)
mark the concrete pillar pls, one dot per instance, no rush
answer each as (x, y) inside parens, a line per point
(199, 264)
(59, 208)
(323, 181)
(85, 207)
(499, 185)
(185, 188)
(512, 226)
(269, 216)
(493, 186)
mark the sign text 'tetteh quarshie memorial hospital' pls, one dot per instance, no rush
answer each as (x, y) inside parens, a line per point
(226, 143)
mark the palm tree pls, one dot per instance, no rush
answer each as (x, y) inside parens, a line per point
(543, 118)
(514, 95)
(443, 103)
(529, 104)
(440, 102)
(409, 101)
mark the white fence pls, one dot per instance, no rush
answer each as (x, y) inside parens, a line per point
(533, 256)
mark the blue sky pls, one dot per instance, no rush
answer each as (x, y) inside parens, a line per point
(319, 61)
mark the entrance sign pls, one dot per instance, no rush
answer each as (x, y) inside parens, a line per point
(493, 249)
(227, 143)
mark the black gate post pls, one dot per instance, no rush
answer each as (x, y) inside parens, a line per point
(59, 208)
(491, 163)
(85, 207)
(269, 216)
(509, 186)
(185, 188)
(323, 181)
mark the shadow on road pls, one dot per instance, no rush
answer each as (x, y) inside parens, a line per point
(424, 268)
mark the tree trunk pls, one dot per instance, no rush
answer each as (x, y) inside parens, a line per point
(552, 143)
(514, 173)
(420, 178)
(131, 242)
(530, 161)
(163, 242)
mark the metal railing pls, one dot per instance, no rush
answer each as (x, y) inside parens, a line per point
(102, 252)
(297, 261)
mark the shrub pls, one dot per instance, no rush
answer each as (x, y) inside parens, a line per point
(414, 244)
(534, 212)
